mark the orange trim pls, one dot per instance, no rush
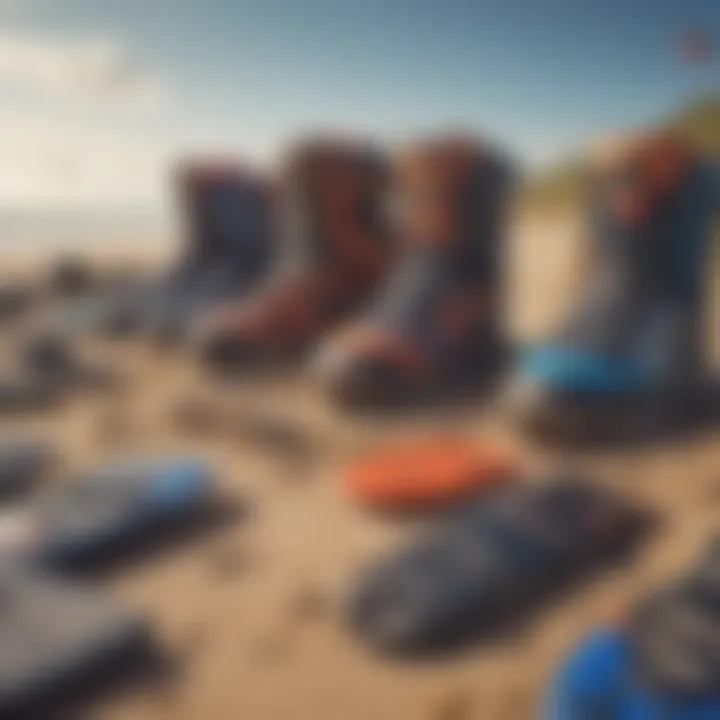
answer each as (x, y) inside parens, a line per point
(429, 471)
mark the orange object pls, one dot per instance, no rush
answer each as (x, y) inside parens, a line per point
(427, 472)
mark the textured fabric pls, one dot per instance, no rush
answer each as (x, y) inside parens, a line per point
(438, 308)
(597, 683)
(676, 632)
(332, 253)
(638, 325)
(493, 555)
(101, 511)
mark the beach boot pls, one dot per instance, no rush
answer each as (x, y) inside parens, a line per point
(663, 662)
(436, 320)
(492, 563)
(226, 212)
(631, 361)
(57, 639)
(98, 515)
(333, 253)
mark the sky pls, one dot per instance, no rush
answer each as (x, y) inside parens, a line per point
(97, 97)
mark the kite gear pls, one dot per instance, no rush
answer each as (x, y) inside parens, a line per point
(106, 510)
(435, 321)
(55, 637)
(631, 358)
(332, 256)
(664, 664)
(426, 473)
(226, 213)
(491, 561)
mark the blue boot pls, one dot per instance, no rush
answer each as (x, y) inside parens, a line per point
(103, 512)
(630, 359)
(226, 213)
(665, 665)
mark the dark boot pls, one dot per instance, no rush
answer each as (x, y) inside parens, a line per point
(333, 252)
(631, 358)
(227, 216)
(435, 321)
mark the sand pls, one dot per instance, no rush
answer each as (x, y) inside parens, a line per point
(250, 612)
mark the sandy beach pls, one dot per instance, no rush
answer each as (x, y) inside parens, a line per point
(250, 612)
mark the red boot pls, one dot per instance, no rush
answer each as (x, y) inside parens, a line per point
(333, 253)
(436, 319)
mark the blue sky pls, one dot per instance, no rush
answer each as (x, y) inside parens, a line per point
(96, 96)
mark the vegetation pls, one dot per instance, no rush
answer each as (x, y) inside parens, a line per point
(562, 187)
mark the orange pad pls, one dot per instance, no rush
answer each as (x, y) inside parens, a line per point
(432, 471)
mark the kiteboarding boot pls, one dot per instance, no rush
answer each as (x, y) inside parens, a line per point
(662, 660)
(630, 362)
(333, 251)
(227, 216)
(435, 323)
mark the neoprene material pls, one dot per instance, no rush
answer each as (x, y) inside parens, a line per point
(333, 251)
(636, 337)
(435, 321)
(54, 636)
(101, 512)
(664, 664)
(226, 213)
(597, 683)
(489, 561)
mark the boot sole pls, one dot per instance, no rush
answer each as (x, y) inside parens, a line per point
(640, 419)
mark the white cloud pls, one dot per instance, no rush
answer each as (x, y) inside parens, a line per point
(67, 144)
(95, 68)
(47, 163)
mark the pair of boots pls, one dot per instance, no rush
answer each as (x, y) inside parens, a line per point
(409, 250)
(406, 250)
